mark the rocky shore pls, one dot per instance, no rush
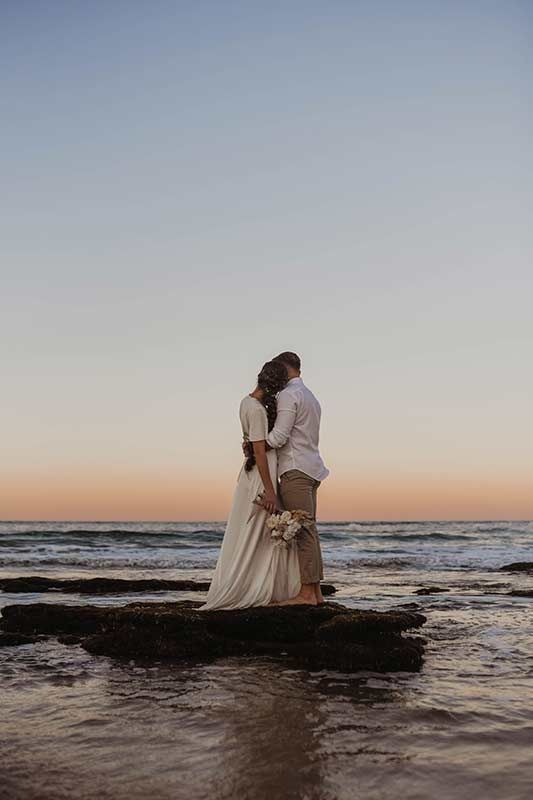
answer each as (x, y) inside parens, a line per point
(37, 583)
(518, 566)
(330, 636)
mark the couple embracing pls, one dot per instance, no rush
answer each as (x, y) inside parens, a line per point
(280, 422)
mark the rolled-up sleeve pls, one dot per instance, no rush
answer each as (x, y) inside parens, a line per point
(287, 407)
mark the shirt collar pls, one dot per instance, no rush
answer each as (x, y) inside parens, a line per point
(295, 380)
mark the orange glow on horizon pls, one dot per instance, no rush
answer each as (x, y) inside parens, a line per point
(150, 496)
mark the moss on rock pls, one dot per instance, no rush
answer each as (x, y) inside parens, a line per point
(329, 636)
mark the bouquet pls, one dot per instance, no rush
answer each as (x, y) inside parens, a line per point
(285, 526)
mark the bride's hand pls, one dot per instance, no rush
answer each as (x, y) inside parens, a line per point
(270, 502)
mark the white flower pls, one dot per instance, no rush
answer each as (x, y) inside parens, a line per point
(283, 527)
(293, 528)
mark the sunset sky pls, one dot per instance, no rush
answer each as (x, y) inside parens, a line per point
(189, 188)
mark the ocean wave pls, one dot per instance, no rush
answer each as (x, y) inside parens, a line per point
(371, 563)
(500, 528)
(167, 546)
(120, 562)
(385, 526)
(111, 532)
(401, 536)
(105, 542)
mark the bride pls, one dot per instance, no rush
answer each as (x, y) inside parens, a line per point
(251, 571)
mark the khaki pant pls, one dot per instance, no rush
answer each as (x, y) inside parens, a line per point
(298, 491)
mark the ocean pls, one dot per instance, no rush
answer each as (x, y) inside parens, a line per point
(80, 726)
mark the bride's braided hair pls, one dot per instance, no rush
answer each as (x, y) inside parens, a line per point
(272, 379)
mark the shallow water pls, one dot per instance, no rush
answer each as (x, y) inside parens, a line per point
(75, 725)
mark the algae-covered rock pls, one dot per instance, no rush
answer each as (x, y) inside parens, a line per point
(37, 584)
(49, 619)
(518, 566)
(357, 626)
(318, 637)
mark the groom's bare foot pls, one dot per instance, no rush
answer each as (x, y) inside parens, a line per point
(299, 600)
(319, 596)
(305, 597)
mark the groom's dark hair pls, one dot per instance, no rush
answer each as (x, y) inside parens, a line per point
(290, 360)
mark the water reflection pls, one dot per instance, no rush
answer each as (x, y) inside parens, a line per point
(251, 727)
(273, 734)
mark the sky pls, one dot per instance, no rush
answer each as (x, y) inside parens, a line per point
(190, 188)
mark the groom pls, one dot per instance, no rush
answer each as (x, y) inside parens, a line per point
(300, 469)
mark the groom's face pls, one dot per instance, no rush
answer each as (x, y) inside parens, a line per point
(291, 372)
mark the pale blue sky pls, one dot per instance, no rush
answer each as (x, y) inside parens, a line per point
(190, 187)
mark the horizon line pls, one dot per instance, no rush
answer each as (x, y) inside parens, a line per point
(330, 521)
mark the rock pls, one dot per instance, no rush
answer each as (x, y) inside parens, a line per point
(518, 566)
(521, 593)
(38, 584)
(69, 638)
(47, 618)
(11, 639)
(362, 625)
(329, 636)
(430, 590)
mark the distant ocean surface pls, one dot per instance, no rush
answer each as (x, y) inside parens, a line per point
(75, 725)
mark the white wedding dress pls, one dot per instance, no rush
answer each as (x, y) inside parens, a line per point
(250, 571)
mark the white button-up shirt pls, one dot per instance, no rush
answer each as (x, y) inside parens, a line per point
(295, 434)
